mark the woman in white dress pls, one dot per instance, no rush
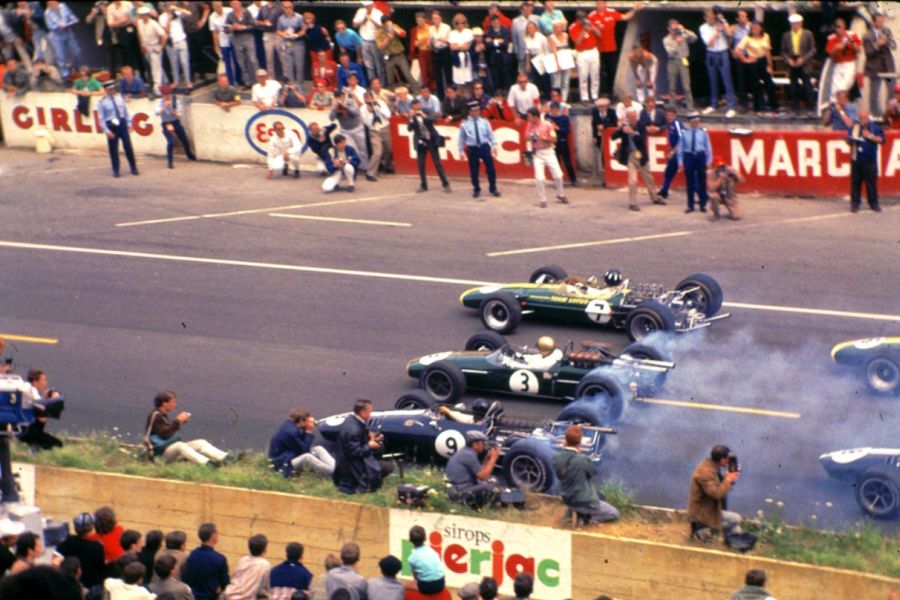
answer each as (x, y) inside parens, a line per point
(559, 40)
(536, 45)
(460, 41)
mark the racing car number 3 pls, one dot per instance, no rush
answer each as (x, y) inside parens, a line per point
(523, 382)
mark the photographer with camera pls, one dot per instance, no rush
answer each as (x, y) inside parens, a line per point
(427, 140)
(709, 488)
(632, 153)
(470, 479)
(47, 403)
(357, 466)
(579, 489)
(716, 35)
(843, 47)
(678, 65)
(540, 139)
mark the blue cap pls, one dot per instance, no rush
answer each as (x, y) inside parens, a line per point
(83, 522)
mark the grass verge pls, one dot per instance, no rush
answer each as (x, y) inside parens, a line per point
(863, 548)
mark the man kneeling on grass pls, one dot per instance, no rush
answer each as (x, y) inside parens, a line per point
(163, 438)
(578, 484)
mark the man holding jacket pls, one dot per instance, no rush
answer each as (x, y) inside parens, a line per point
(632, 153)
(427, 141)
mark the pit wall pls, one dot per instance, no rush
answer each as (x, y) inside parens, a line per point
(591, 564)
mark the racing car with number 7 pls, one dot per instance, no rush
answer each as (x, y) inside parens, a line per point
(552, 294)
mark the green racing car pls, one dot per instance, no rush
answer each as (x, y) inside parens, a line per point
(552, 294)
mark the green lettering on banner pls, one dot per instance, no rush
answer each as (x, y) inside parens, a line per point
(406, 549)
(544, 570)
(476, 558)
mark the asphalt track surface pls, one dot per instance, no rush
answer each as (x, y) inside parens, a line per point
(245, 314)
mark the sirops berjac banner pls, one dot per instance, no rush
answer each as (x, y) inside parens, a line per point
(474, 548)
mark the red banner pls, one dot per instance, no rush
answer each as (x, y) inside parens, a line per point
(804, 163)
(510, 145)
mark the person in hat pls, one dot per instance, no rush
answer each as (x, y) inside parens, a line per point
(864, 138)
(116, 123)
(798, 49)
(603, 118)
(723, 182)
(88, 551)
(892, 114)
(9, 533)
(879, 45)
(540, 139)
(153, 43)
(387, 587)
(170, 115)
(478, 144)
(632, 153)
(265, 91)
(470, 479)
(694, 156)
(427, 141)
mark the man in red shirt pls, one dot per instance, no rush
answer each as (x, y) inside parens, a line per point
(605, 19)
(325, 70)
(843, 47)
(586, 36)
(494, 9)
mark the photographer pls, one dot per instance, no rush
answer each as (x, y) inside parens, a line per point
(376, 116)
(709, 488)
(723, 181)
(357, 467)
(632, 153)
(291, 97)
(469, 479)
(291, 448)
(841, 114)
(716, 34)
(47, 403)
(678, 64)
(843, 47)
(578, 487)
(345, 112)
(283, 151)
(427, 141)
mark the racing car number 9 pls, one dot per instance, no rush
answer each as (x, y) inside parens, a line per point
(598, 311)
(449, 442)
(523, 382)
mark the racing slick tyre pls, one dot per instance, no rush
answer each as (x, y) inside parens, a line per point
(708, 298)
(415, 399)
(878, 495)
(486, 340)
(883, 374)
(528, 466)
(501, 312)
(548, 274)
(604, 393)
(649, 317)
(443, 381)
(583, 413)
(649, 383)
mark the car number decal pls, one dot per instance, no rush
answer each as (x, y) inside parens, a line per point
(523, 382)
(599, 311)
(449, 442)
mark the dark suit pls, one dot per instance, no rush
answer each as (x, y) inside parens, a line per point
(607, 118)
(879, 59)
(427, 141)
(799, 76)
(356, 467)
(632, 152)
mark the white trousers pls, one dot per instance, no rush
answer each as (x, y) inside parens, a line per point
(318, 459)
(588, 64)
(546, 158)
(842, 76)
(334, 180)
(642, 82)
(196, 451)
(277, 162)
(320, 167)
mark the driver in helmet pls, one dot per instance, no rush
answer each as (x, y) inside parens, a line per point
(613, 278)
(546, 356)
(479, 410)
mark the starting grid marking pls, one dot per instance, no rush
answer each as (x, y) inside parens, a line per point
(270, 209)
(337, 220)
(721, 407)
(11, 337)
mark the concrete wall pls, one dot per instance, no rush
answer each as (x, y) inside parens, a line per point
(624, 568)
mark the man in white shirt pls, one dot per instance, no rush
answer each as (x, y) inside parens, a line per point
(284, 149)
(172, 20)
(522, 96)
(715, 33)
(367, 20)
(377, 117)
(265, 91)
(628, 103)
(429, 101)
(153, 39)
(517, 31)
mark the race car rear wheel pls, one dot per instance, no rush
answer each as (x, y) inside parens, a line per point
(708, 298)
(486, 340)
(528, 466)
(548, 274)
(501, 312)
(604, 393)
(413, 400)
(649, 382)
(444, 381)
(883, 374)
(877, 495)
(649, 317)
(581, 412)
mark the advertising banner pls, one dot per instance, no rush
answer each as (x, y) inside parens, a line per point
(803, 163)
(474, 548)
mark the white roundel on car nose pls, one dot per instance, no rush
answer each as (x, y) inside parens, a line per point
(869, 343)
(449, 442)
(598, 311)
(523, 382)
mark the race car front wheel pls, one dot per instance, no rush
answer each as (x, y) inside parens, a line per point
(485, 341)
(501, 312)
(604, 393)
(649, 317)
(878, 495)
(528, 466)
(707, 296)
(444, 381)
(415, 399)
(548, 274)
(883, 374)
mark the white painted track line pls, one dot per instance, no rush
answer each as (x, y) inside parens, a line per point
(251, 211)
(818, 312)
(337, 220)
